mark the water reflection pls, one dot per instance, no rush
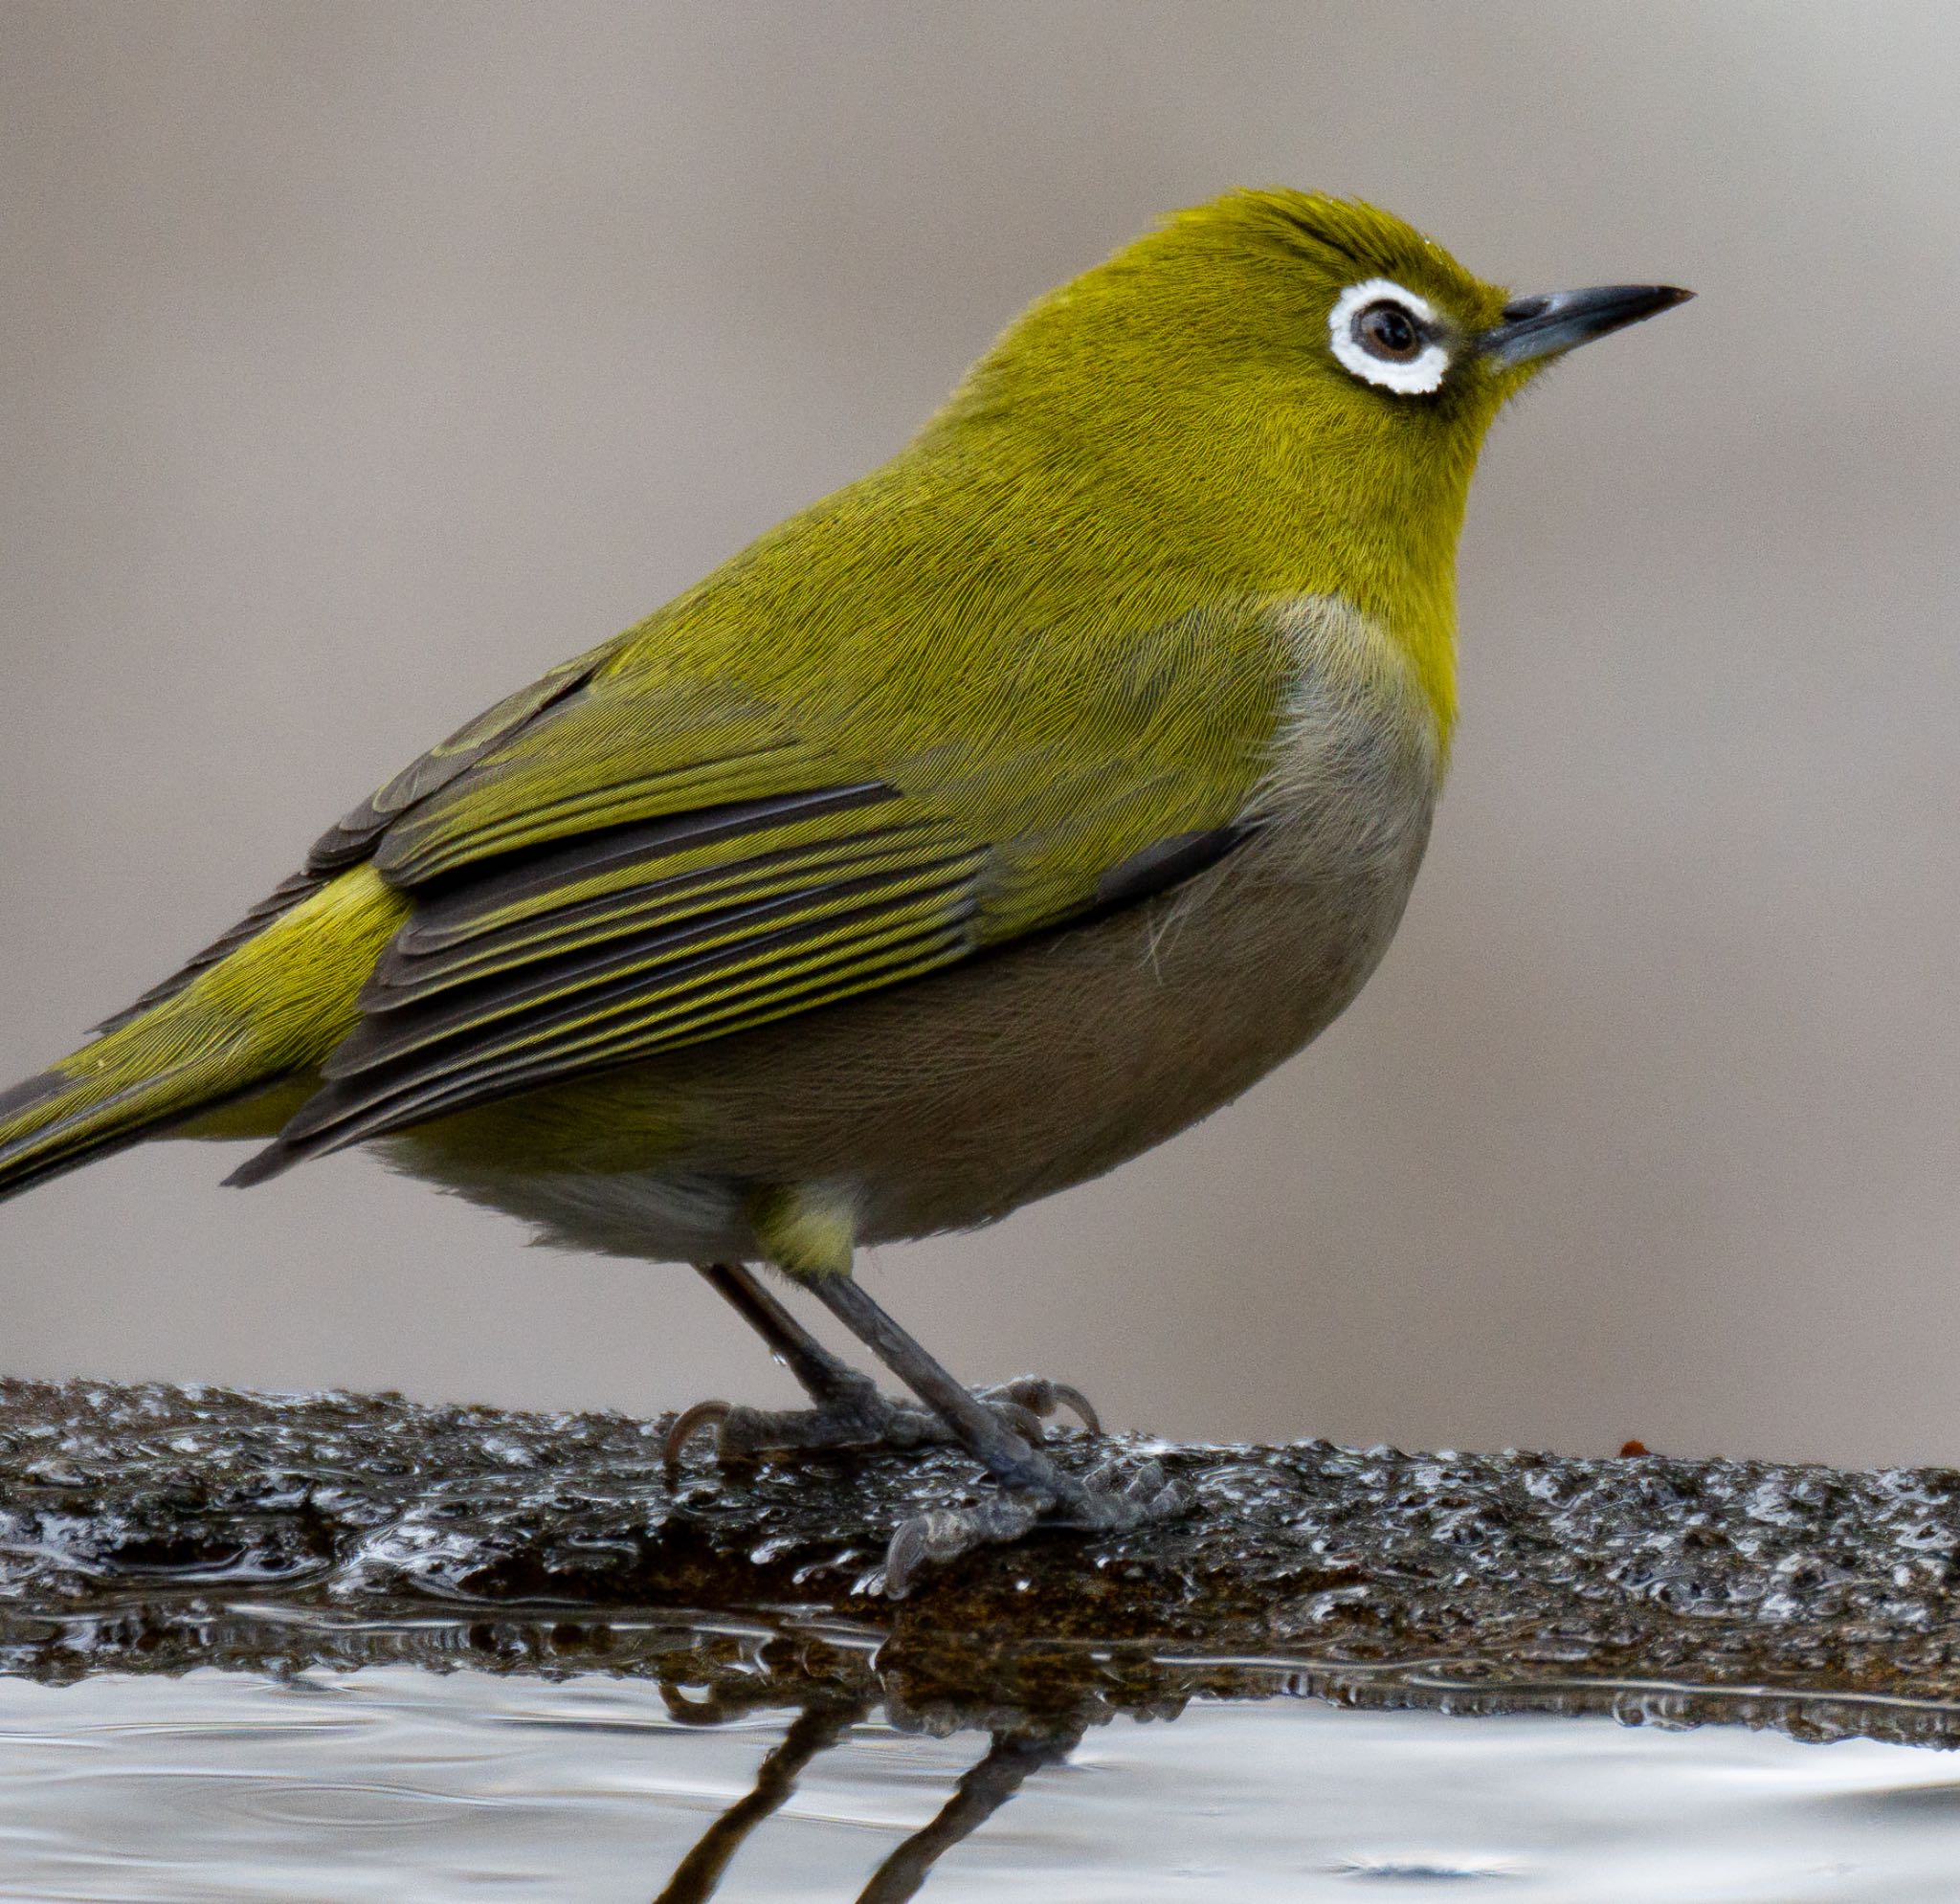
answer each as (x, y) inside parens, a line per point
(1014, 1753)
(1011, 1758)
(816, 1729)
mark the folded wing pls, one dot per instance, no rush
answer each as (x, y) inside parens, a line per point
(616, 866)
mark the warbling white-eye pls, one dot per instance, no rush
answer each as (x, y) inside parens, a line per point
(979, 827)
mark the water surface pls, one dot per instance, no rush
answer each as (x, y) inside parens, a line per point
(391, 1784)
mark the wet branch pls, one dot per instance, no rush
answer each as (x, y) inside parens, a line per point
(163, 1528)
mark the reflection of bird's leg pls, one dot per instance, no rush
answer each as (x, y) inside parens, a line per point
(813, 1729)
(985, 1788)
(849, 1412)
(1037, 1490)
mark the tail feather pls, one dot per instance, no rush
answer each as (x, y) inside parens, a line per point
(271, 1008)
(65, 1128)
(28, 1109)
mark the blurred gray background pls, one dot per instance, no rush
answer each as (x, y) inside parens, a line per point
(358, 362)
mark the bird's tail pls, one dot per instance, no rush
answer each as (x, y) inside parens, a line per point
(210, 1056)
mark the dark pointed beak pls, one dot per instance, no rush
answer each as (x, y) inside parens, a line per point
(1561, 320)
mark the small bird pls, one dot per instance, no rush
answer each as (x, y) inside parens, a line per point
(970, 832)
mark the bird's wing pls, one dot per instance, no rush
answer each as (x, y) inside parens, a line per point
(631, 864)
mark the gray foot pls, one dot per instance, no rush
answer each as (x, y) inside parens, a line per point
(1101, 1502)
(854, 1414)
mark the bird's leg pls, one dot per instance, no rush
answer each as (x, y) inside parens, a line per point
(826, 1378)
(1037, 1491)
(849, 1412)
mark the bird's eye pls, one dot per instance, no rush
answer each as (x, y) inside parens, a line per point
(1388, 331)
(1386, 335)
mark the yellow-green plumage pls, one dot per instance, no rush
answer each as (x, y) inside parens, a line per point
(270, 1011)
(975, 827)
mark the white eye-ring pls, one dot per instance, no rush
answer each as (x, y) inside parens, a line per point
(1386, 336)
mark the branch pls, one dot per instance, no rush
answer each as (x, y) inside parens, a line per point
(156, 1528)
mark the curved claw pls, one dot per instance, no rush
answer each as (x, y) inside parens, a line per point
(745, 1434)
(857, 1416)
(947, 1533)
(1024, 1421)
(687, 1424)
(1040, 1397)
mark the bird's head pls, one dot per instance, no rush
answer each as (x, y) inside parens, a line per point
(1289, 388)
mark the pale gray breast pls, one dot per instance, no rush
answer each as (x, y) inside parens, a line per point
(950, 1102)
